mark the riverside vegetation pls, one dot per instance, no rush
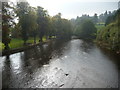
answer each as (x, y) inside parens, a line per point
(22, 24)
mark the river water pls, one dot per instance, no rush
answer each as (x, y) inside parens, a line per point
(69, 64)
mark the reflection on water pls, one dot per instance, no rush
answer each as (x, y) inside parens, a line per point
(73, 64)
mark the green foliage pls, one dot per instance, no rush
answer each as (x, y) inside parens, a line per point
(32, 22)
(113, 17)
(6, 23)
(95, 18)
(86, 30)
(33, 26)
(52, 31)
(2, 46)
(62, 27)
(103, 17)
(42, 21)
(16, 31)
(99, 26)
(22, 11)
(111, 33)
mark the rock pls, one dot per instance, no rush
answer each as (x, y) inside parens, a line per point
(66, 74)
(61, 85)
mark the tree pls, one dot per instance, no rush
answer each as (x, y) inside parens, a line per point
(63, 27)
(16, 31)
(32, 16)
(112, 17)
(6, 24)
(109, 20)
(57, 21)
(23, 12)
(66, 29)
(86, 30)
(42, 21)
(111, 33)
(103, 17)
(95, 18)
(51, 32)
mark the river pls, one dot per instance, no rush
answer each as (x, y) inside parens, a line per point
(69, 64)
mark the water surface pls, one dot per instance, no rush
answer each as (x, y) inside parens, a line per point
(70, 64)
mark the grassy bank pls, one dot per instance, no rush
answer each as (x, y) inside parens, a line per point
(100, 26)
(18, 43)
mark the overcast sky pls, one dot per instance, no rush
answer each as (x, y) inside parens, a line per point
(73, 8)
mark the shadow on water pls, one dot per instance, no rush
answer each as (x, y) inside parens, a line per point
(29, 61)
(112, 55)
(87, 46)
(41, 54)
(7, 73)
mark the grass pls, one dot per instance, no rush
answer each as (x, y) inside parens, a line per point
(44, 39)
(99, 27)
(31, 40)
(18, 42)
(101, 23)
(1, 46)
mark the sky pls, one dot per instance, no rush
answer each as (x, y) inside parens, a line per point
(73, 8)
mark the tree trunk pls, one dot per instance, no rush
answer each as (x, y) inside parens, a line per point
(40, 39)
(7, 46)
(34, 39)
(24, 42)
(7, 57)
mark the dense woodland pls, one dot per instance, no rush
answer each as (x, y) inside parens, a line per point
(23, 21)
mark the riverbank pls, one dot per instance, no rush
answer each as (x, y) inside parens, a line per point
(18, 42)
(27, 46)
(20, 49)
(107, 47)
